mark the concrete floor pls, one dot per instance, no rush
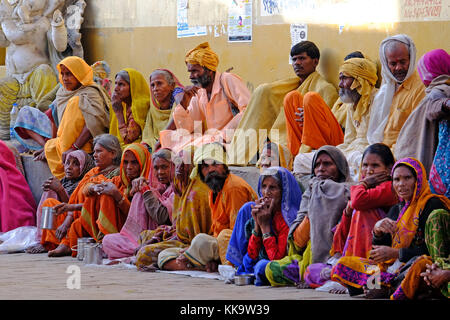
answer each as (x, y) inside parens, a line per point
(27, 276)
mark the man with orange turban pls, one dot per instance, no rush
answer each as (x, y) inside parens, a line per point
(211, 109)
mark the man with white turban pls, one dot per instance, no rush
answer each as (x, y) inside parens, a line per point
(400, 92)
(209, 111)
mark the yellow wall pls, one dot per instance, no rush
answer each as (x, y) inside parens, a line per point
(144, 43)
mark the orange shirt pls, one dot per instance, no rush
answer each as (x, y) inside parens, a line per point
(215, 112)
(234, 194)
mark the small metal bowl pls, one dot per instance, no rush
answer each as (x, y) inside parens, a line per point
(244, 279)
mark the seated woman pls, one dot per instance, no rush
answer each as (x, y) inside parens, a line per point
(107, 155)
(165, 89)
(77, 164)
(107, 203)
(369, 202)
(397, 239)
(17, 205)
(429, 276)
(261, 229)
(310, 235)
(35, 125)
(130, 102)
(81, 112)
(151, 207)
(191, 216)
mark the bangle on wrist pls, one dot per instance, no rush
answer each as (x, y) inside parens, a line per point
(74, 146)
(256, 234)
(266, 235)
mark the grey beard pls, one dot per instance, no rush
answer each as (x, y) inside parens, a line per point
(348, 96)
(202, 81)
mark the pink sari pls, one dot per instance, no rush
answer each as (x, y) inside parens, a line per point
(17, 205)
(123, 244)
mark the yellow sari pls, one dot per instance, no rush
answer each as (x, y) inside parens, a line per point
(140, 104)
(86, 106)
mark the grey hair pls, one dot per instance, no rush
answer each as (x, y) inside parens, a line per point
(110, 143)
(124, 75)
(271, 172)
(165, 154)
(393, 44)
(167, 76)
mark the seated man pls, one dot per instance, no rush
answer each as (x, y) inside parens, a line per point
(228, 193)
(340, 109)
(400, 92)
(357, 78)
(214, 105)
(265, 112)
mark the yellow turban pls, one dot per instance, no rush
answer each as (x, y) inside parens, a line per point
(204, 56)
(210, 151)
(365, 76)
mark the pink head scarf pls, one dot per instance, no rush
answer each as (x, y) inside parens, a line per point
(433, 64)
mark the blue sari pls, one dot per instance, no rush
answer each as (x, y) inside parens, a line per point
(237, 247)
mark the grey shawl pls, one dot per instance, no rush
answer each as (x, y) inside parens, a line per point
(323, 202)
(418, 137)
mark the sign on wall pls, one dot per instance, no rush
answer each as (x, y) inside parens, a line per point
(240, 21)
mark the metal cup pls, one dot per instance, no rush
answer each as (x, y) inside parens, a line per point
(93, 253)
(80, 248)
(48, 218)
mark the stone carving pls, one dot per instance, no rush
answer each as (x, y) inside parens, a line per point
(37, 34)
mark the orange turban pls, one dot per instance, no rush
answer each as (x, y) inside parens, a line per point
(204, 56)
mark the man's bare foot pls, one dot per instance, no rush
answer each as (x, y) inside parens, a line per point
(37, 248)
(302, 285)
(61, 251)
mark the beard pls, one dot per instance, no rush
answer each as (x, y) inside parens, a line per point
(349, 96)
(202, 81)
(215, 181)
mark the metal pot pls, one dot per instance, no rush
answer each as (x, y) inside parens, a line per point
(81, 243)
(244, 279)
(93, 253)
(48, 218)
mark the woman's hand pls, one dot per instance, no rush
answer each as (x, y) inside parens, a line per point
(380, 254)
(375, 179)
(39, 155)
(63, 207)
(61, 231)
(383, 226)
(137, 185)
(265, 215)
(66, 153)
(348, 211)
(434, 276)
(107, 188)
(255, 211)
(116, 103)
(52, 183)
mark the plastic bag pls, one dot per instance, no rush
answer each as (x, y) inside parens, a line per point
(18, 239)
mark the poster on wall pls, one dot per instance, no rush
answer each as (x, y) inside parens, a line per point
(299, 32)
(183, 28)
(240, 21)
